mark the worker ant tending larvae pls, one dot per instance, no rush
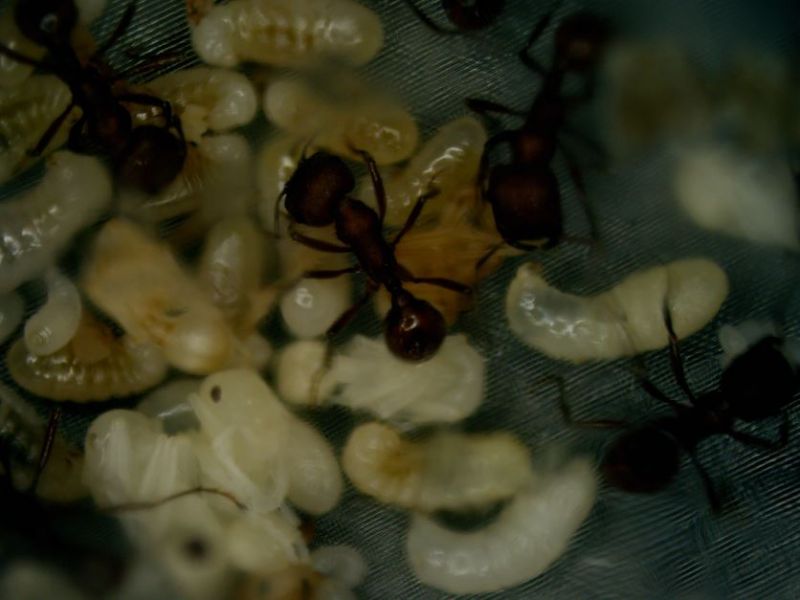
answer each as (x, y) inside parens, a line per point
(757, 384)
(524, 194)
(148, 156)
(317, 195)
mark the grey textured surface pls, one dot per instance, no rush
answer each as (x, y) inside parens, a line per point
(661, 546)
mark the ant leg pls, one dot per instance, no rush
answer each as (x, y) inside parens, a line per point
(675, 358)
(488, 254)
(428, 22)
(448, 284)
(131, 506)
(487, 107)
(535, 34)
(708, 485)
(47, 447)
(377, 182)
(340, 323)
(566, 411)
(330, 274)
(316, 244)
(276, 215)
(763, 443)
(651, 389)
(577, 178)
(119, 30)
(414, 215)
(21, 58)
(51, 131)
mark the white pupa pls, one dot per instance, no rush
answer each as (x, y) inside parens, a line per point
(93, 366)
(311, 306)
(26, 111)
(447, 471)
(366, 376)
(531, 533)
(55, 323)
(625, 320)
(37, 225)
(287, 33)
(206, 99)
(446, 162)
(315, 480)
(360, 120)
(12, 309)
(748, 195)
(137, 281)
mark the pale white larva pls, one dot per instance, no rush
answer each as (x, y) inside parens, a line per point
(55, 323)
(38, 224)
(290, 33)
(525, 539)
(623, 321)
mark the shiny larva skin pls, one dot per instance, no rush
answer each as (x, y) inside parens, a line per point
(36, 226)
(290, 33)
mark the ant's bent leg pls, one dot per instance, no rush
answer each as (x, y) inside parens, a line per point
(566, 411)
(675, 358)
(488, 107)
(448, 284)
(428, 22)
(78, 141)
(708, 485)
(119, 30)
(536, 32)
(580, 186)
(21, 58)
(51, 131)
(47, 447)
(414, 215)
(316, 244)
(330, 274)
(651, 389)
(340, 323)
(377, 182)
(494, 249)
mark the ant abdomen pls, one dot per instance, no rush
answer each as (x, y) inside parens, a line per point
(316, 188)
(152, 158)
(414, 330)
(46, 22)
(526, 203)
(644, 460)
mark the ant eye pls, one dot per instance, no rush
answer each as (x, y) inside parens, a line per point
(49, 23)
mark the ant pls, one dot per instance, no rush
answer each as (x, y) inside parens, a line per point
(524, 194)
(317, 195)
(466, 15)
(758, 384)
(148, 156)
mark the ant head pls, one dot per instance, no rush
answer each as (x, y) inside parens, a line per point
(46, 22)
(413, 328)
(643, 460)
(580, 41)
(469, 15)
(316, 188)
(152, 159)
(759, 382)
(526, 203)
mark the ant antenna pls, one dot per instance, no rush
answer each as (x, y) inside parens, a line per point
(133, 506)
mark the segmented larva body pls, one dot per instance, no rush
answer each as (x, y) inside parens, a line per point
(36, 226)
(289, 33)
(55, 323)
(94, 366)
(357, 118)
(26, 111)
(206, 99)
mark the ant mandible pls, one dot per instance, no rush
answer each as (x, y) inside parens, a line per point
(758, 384)
(466, 15)
(317, 195)
(524, 194)
(148, 156)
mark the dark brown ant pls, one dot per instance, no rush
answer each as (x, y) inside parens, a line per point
(524, 194)
(148, 156)
(317, 195)
(758, 384)
(466, 15)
